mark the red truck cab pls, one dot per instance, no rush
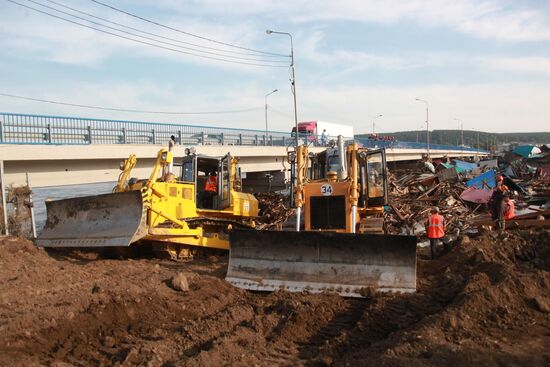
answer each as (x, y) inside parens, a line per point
(308, 128)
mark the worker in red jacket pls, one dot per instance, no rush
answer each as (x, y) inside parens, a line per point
(509, 207)
(435, 229)
(496, 202)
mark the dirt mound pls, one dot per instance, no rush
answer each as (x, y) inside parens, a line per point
(484, 303)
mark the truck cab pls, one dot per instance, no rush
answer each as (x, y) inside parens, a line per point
(307, 130)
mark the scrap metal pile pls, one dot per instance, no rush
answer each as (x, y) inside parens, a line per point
(413, 194)
(461, 191)
(274, 210)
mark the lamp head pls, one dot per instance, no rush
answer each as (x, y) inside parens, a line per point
(268, 31)
(275, 90)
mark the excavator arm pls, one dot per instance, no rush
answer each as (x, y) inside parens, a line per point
(126, 168)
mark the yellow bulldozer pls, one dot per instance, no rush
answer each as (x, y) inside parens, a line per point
(341, 193)
(169, 210)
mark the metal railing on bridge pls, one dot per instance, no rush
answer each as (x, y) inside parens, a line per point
(372, 143)
(39, 129)
(57, 130)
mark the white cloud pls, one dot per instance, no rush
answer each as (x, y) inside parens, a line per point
(497, 108)
(486, 107)
(50, 39)
(518, 64)
(490, 19)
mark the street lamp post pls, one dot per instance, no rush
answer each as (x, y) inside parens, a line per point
(427, 128)
(292, 78)
(461, 133)
(374, 118)
(267, 95)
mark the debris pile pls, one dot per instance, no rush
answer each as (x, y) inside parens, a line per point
(18, 211)
(462, 191)
(274, 210)
(411, 197)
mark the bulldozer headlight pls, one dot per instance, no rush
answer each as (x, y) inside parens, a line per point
(163, 156)
(189, 151)
(363, 155)
(121, 166)
(292, 157)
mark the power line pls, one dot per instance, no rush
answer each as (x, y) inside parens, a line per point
(143, 42)
(184, 32)
(280, 112)
(152, 34)
(130, 110)
(160, 36)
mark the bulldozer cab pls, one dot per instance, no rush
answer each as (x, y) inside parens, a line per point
(198, 168)
(373, 178)
(324, 162)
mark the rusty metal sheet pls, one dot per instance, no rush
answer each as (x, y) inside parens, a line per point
(447, 175)
(349, 264)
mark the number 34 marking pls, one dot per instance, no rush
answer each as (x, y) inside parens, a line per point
(326, 189)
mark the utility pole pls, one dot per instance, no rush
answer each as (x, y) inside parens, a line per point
(427, 128)
(3, 195)
(266, 129)
(292, 78)
(373, 119)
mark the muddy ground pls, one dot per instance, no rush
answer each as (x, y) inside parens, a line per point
(485, 303)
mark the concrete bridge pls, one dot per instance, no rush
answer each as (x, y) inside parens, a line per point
(54, 165)
(56, 150)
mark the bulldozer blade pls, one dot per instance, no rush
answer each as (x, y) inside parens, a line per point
(352, 265)
(94, 221)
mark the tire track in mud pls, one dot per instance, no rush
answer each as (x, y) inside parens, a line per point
(369, 323)
(217, 326)
(334, 330)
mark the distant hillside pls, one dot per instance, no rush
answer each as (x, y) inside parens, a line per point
(452, 137)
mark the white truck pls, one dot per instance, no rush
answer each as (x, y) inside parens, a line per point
(314, 130)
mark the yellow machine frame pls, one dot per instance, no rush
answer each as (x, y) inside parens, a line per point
(171, 206)
(349, 188)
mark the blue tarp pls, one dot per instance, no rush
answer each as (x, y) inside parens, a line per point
(464, 166)
(526, 151)
(484, 181)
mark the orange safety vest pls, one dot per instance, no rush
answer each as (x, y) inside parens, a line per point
(509, 211)
(211, 184)
(436, 226)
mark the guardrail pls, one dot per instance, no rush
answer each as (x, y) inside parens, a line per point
(39, 129)
(58, 130)
(371, 143)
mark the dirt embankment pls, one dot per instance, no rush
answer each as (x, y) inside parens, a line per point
(485, 303)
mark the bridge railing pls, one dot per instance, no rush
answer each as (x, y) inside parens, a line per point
(371, 143)
(40, 129)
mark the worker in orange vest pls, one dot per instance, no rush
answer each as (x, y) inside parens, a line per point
(211, 184)
(210, 190)
(435, 229)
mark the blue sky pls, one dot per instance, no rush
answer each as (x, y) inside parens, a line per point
(486, 63)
